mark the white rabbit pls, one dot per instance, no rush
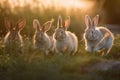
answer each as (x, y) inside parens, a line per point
(65, 41)
(97, 38)
(41, 39)
(13, 38)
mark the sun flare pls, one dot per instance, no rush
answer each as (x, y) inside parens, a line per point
(68, 4)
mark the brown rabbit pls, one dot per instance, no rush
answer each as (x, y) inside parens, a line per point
(13, 38)
(41, 39)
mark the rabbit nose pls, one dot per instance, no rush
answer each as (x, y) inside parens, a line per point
(39, 35)
(57, 37)
(14, 37)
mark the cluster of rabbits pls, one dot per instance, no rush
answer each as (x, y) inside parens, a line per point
(62, 41)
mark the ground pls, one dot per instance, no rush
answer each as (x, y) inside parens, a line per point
(34, 65)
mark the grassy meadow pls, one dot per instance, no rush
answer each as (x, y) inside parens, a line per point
(34, 65)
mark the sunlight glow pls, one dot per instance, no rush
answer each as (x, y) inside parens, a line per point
(68, 4)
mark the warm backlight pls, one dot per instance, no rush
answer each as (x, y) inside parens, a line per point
(68, 4)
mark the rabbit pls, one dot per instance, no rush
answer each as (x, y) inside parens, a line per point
(65, 41)
(97, 38)
(41, 39)
(13, 38)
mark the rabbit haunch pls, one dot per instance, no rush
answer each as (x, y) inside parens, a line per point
(97, 38)
(65, 41)
(41, 39)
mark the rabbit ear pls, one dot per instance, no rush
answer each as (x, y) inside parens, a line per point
(88, 21)
(8, 24)
(20, 24)
(59, 24)
(47, 26)
(95, 21)
(36, 24)
(67, 23)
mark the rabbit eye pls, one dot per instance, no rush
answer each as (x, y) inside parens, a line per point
(62, 32)
(92, 32)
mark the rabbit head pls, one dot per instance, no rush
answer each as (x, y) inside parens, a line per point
(91, 32)
(40, 34)
(14, 29)
(60, 31)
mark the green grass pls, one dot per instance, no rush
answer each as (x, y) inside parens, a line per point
(33, 65)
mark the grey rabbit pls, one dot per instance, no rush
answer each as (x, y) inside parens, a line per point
(97, 38)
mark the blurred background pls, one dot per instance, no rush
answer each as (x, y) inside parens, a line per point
(44, 10)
